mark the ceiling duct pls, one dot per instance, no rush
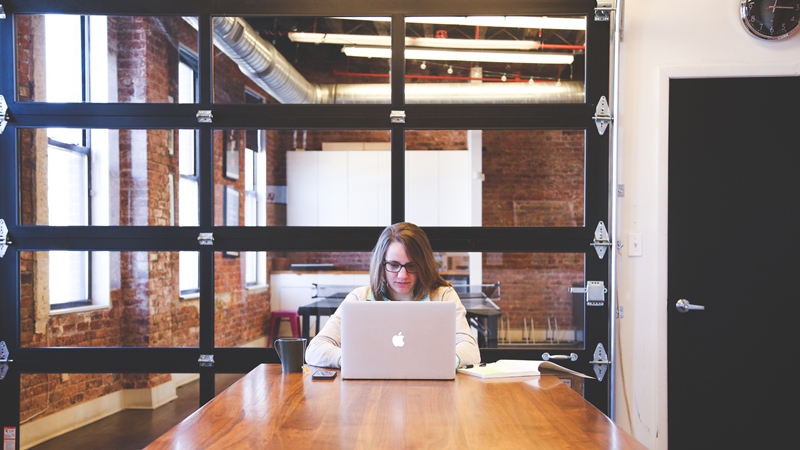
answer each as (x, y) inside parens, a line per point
(261, 61)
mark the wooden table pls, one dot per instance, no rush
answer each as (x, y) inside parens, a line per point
(270, 409)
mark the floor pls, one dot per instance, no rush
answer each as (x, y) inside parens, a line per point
(135, 429)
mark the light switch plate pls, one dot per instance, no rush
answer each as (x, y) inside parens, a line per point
(634, 244)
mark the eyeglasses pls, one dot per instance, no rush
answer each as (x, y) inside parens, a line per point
(394, 267)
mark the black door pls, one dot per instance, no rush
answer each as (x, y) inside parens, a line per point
(733, 208)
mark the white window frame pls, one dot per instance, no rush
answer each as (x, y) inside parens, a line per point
(188, 184)
(255, 203)
(67, 54)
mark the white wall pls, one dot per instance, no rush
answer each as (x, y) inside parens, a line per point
(664, 39)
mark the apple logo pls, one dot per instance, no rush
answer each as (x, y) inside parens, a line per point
(397, 340)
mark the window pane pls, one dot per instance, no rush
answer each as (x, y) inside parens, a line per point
(535, 299)
(129, 59)
(189, 272)
(63, 49)
(302, 59)
(188, 152)
(249, 166)
(69, 277)
(129, 179)
(186, 83)
(67, 187)
(520, 178)
(513, 300)
(60, 410)
(189, 208)
(546, 185)
(293, 276)
(251, 267)
(343, 177)
(135, 300)
(241, 311)
(493, 59)
(310, 177)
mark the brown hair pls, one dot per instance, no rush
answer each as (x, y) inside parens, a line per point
(419, 250)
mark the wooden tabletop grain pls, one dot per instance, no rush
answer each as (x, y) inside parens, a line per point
(270, 409)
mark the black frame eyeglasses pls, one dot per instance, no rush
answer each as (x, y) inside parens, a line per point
(396, 267)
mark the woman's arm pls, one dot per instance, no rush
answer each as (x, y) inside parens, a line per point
(467, 351)
(325, 349)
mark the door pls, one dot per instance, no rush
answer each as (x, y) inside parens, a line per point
(733, 204)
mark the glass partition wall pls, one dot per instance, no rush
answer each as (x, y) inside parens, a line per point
(179, 177)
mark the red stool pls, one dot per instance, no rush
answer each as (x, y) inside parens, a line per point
(280, 316)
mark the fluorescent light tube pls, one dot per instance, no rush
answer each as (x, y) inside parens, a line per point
(547, 23)
(470, 56)
(386, 41)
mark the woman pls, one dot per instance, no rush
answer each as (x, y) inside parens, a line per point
(402, 268)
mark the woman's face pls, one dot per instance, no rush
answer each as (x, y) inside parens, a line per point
(400, 284)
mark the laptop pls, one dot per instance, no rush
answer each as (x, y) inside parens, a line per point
(398, 340)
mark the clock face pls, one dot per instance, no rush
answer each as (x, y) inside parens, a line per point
(770, 19)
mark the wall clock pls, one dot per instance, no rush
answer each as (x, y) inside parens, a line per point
(770, 19)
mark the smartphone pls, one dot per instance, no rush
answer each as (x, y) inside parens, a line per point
(324, 375)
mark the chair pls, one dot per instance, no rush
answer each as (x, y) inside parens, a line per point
(275, 323)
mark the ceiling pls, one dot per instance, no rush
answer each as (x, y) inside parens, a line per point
(327, 63)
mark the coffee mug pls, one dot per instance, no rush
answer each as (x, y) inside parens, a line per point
(292, 353)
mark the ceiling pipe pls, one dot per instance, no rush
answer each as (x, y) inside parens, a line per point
(261, 61)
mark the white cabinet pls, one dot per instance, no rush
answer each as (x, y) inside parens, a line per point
(302, 189)
(438, 188)
(366, 187)
(290, 291)
(352, 188)
(337, 188)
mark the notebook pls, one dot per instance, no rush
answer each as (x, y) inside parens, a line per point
(398, 340)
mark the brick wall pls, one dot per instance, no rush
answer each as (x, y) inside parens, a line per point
(532, 178)
(145, 306)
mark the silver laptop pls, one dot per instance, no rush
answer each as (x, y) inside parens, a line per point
(398, 340)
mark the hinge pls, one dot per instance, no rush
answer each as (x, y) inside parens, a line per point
(600, 361)
(602, 115)
(398, 116)
(3, 109)
(206, 360)
(206, 238)
(603, 11)
(595, 293)
(4, 359)
(4, 241)
(2, 12)
(204, 116)
(601, 240)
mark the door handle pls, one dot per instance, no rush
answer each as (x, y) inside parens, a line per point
(683, 306)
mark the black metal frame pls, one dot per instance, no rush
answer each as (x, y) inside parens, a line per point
(267, 116)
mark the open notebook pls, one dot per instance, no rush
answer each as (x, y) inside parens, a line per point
(398, 340)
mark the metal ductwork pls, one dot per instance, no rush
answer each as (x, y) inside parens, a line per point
(261, 61)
